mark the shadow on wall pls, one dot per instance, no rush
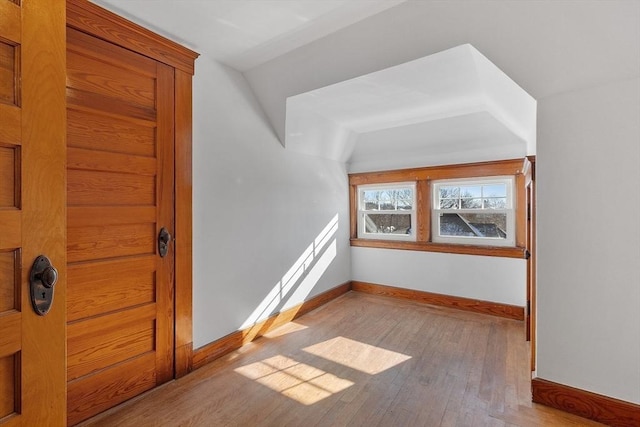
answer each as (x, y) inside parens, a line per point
(296, 284)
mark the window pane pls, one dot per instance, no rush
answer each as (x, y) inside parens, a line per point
(470, 203)
(448, 203)
(494, 190)
(388, 199)
(485, 225)
(471, 191)
(495, 203)
(448, 192)
(387, 223)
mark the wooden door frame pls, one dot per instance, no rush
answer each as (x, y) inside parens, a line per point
(530, 309)
(98, 22)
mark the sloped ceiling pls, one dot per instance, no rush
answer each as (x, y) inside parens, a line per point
(245, 33)
(285, 48)
(455, 100)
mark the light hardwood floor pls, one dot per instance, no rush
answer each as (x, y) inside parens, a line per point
(361, 360)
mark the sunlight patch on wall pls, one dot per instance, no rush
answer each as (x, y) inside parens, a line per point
(357, 355)
(296, 380)
(301, 277)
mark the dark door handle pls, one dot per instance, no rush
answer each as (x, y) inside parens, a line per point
(163, 242)
(41, 280)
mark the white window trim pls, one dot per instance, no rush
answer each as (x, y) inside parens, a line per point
(362, 234)
(510, 210)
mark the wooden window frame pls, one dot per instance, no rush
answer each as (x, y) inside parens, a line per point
(423, 177)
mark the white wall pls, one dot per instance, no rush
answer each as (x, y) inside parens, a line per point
(478, 277)
(588, 168)
(561, 52)
(257, 209)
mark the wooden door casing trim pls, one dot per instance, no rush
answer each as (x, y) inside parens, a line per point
(92, 19)
(98, 22)
(183, 358)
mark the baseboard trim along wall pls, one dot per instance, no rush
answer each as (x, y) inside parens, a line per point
(468, 304)
(607, 410)
(235, 340)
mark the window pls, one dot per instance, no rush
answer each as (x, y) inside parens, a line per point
(387, 211)
(471, 209)
(476, 211)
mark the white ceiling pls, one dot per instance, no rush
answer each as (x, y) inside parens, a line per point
(410, 106)
(286, 48)
(246, 33)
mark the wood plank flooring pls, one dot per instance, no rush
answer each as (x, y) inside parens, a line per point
(361, 360)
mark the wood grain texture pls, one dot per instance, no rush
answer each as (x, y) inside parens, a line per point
(8, 181)
(11, 129)
(467, 304)
(88, 17)
(84, 159)
(8, 385)
(520, 200)
(90, 74)
(43, 156)
(122, 125)
(84, 44)
(8, 74)
(363, 360)
(466, 170)
(165, 208)
(423, 211)
(235, 340)
(102, 342)
(11, 28)
(353, 211)
(104, 188)
(110, 241)
(87, 216)
(183, 225)
(93, 394)
(9, 281)
(498, 251)
(612, 412)
(91, 130)
(11, 326)
(11, 235)
(130, 283)
(122, 128)
(117, 108)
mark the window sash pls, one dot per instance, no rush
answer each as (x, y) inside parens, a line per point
(437, 213)
(391, 233)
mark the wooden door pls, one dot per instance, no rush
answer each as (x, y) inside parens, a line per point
(120, 194)
(32, 209)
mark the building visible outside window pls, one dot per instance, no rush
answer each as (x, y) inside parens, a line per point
(387, 211)
(476, 212)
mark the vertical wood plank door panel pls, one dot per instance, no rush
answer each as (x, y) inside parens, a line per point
(120, 193)
(32, 209)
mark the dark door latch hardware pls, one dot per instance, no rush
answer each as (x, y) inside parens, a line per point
(163, 242)
(41, 280)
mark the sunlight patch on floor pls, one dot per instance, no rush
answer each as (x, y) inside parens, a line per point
(357, 355)
(295, 380)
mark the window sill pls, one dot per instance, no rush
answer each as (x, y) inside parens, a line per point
(497, 251)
